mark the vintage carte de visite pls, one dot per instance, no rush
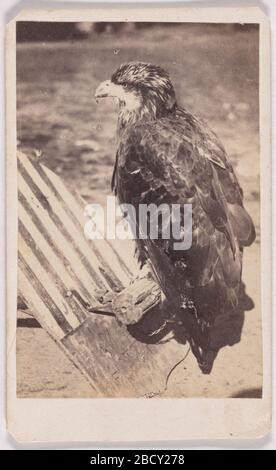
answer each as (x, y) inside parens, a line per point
(139, 244)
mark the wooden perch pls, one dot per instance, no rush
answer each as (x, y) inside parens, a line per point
(133, 302)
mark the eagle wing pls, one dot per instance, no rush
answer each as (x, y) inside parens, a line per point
(179, 161)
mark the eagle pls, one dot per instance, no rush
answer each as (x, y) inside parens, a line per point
(166, 154)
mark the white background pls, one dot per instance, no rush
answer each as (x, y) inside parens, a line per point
(9, 8)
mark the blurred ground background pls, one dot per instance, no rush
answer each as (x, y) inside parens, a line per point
(214, 69)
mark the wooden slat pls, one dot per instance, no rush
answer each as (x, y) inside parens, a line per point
(46, 285)
(38, 303)
(48, 246)
(36, 256)
(62, 243)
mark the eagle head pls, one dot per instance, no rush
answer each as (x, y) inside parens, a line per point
(144, 91)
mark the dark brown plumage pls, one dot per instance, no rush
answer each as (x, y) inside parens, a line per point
(167, 155)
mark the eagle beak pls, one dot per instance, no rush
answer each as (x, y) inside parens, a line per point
(107, 89)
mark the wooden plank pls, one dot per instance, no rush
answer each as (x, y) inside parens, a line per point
(41, 309)
(118, 364)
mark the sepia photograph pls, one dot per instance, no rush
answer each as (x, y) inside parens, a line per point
(138, 210)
